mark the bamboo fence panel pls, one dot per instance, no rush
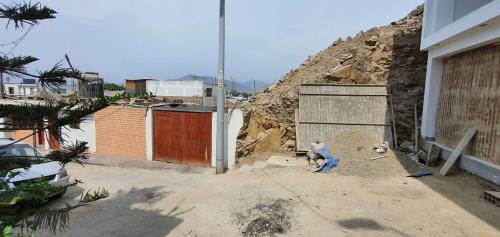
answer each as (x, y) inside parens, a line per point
(327, 110)
(470, 97)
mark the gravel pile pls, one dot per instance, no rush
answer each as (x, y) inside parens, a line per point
(355, 148)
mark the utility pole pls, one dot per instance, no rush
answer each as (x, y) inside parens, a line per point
(2, 91)
(254, 92)
(220, 92)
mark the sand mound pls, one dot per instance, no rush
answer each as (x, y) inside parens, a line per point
(355, 148)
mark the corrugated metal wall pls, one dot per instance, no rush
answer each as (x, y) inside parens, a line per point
(326, 110)
(470, 97)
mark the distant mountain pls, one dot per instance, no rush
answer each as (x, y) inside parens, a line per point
(246, 86)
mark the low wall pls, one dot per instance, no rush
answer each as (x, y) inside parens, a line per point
(86, 133)
(235, 118)
(121, 132)
(473, 165)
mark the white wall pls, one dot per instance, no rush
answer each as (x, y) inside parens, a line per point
(175, 88)
(17, 91)
(464, 7)
(231, 136)
(149, 135)
(4, 134)
(445, 19)
(86, 133)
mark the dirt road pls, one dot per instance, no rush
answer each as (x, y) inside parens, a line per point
(280, 195)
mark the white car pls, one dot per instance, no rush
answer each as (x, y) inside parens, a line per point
(55, 173)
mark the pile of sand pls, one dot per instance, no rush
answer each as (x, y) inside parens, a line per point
(355, 148)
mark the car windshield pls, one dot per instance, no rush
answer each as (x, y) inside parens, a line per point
(20, 150)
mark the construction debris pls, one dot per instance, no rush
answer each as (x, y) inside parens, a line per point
(381, 148)
(421, 173)
(433, 155)
(492, 196)
(388, 55)
(266, 218)
(379, 157)
(457, 152)
(353, 148)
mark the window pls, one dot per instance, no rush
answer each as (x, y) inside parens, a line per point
(20, 150)
(208, 92)
(11, 90)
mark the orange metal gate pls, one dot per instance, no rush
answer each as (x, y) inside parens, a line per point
(183, 137)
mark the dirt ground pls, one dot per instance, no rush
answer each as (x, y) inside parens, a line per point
(278, 196)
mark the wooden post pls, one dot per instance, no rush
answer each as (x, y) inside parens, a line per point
(458, 150)
(296, 115)
(433, 155)
(395, 135)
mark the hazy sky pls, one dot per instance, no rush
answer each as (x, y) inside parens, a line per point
(167, 39)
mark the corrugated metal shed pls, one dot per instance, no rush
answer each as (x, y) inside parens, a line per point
(326, 110)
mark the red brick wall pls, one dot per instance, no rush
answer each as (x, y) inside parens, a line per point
(121, 132)
(19, 134)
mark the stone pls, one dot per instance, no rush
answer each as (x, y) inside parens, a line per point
(372, 41)
(269, 141)
(406, 144)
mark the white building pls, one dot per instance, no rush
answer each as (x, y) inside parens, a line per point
(463, 85)
(22, 89)
(26, 88)
(179, 88)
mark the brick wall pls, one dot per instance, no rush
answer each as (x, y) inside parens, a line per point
(121, 132)
(19, 134)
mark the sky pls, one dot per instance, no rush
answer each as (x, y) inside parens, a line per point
(166, 39)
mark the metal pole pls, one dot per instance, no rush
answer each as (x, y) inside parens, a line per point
(2, 91)
(220, 93)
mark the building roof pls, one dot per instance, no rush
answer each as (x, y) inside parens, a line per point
(186, 108)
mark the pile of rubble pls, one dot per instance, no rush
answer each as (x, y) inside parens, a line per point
(383, 55)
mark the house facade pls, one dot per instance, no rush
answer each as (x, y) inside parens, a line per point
(184, 90)
(462, 89)
(26, 88)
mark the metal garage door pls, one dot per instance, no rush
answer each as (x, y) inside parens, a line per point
(183, 137)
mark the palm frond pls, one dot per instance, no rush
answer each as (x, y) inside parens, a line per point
(57, 75)
(25, 13)
(77, 153)
(15, 65)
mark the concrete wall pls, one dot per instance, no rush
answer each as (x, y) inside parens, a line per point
(121, 132)
(464, 7)
(149, 135)
(440, 23)
(175, 88)
(473, 165)
(86, 133)
(235, 119)
(4, 134)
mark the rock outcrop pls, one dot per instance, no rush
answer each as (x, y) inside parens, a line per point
(383, 55)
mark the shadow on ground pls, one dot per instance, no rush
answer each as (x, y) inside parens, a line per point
(367, 224)
(109, 161)
(125, 213)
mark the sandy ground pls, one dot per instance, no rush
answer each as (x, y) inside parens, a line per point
(166, 200)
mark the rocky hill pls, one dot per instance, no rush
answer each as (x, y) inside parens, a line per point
(382, 55)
